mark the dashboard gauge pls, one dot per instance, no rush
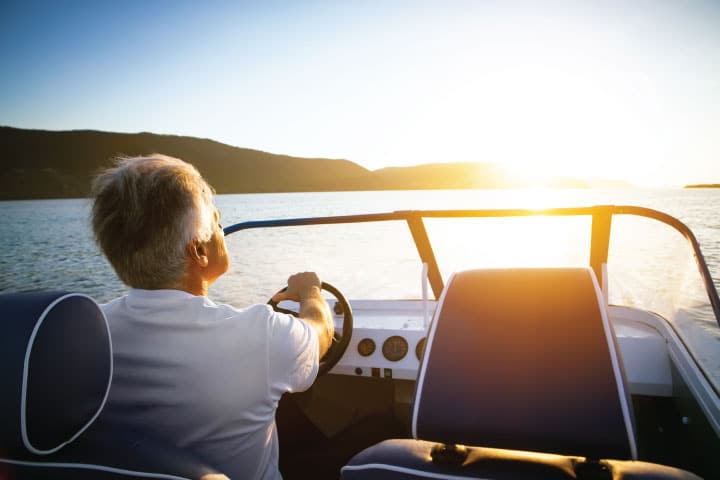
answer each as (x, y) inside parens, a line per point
(366, 347)
(395, 348)
(420, 348)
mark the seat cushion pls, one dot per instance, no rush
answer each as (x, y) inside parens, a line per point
(412, 460)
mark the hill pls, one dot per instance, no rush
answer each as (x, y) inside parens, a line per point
(60, 164)
(47, 164)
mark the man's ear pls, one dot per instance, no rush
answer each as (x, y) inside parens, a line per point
(198, 253)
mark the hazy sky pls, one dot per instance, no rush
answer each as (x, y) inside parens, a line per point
(627, 90)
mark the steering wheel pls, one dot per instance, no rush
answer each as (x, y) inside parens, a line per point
(339, 342)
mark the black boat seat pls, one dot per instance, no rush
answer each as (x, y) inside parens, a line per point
(55, 375)
(521, 378)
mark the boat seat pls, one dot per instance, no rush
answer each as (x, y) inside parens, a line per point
(521, 378)
(55, 375)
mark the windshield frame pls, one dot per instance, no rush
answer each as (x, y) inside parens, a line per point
(599, 241)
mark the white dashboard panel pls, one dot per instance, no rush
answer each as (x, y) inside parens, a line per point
(379, 321)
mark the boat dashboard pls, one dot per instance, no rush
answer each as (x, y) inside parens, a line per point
(389, 337)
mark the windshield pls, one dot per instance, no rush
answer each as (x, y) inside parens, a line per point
(376, 260)
(653, 267)
(650, 265)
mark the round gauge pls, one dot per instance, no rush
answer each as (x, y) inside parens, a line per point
(366, 347)
(420, 348)
(395, 348)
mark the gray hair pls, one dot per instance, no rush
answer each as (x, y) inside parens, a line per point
(146, 211)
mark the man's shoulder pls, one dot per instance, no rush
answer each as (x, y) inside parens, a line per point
(254, 321)
(284, 331)
(169, 308)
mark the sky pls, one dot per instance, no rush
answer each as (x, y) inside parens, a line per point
(626, 90)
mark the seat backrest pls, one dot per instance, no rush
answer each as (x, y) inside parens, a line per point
(55, 369)
(525, 359)
(55, 376)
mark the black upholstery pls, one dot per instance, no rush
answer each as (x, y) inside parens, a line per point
(55, 375)
(408, 459)
(518, 361)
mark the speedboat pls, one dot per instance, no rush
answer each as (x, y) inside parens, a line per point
(494, 344)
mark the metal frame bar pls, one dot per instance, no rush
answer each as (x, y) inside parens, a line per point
(599, 244)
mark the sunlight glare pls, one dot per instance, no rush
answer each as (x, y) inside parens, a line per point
(536, 241)
(545, 117)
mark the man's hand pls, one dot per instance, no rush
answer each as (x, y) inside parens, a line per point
(299, 286)
(314, 310)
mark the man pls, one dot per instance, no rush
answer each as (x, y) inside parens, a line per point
(205, 376)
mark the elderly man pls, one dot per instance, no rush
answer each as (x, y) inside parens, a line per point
(205, 376)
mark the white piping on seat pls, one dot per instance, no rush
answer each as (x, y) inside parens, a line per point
(26, 369)
(423, 366)
(624, 396)
(87, 466)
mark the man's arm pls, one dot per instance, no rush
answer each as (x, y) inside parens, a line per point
(314, 310)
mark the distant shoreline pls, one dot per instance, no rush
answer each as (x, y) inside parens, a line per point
(42, 164)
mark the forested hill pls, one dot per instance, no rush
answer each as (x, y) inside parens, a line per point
(60, 164)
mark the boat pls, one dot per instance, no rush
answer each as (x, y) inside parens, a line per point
(601, 365)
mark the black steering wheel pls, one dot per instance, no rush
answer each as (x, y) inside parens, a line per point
(339, 342)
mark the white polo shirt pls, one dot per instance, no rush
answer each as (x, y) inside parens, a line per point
(207, 377)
